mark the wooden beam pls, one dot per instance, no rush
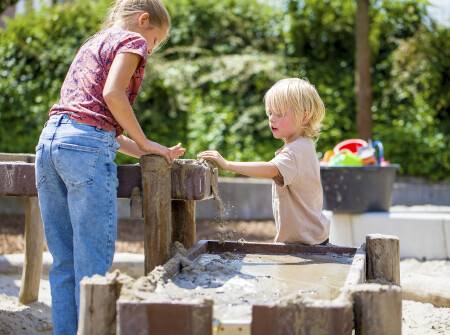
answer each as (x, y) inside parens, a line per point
(183, 222)
(18, 179)
(145, 318)
(303, 317)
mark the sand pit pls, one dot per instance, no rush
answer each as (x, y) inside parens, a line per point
(235, 282)
(16, 319)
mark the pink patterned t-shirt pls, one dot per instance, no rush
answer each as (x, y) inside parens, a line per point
(82, 90)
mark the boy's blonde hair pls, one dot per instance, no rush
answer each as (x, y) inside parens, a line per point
(299, 96)
(123, 9)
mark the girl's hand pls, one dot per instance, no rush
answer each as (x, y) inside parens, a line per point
(214, 156)
(151, 147)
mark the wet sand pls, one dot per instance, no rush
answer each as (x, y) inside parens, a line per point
(235, 282)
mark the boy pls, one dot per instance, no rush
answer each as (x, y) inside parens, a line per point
(295, 112)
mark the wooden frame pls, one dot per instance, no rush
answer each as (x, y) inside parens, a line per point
(325, 316)
(186, 181)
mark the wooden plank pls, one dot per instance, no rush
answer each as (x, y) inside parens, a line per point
(17, 157)
(357, 273)
(333, 317)
(34, 246)
(383, 258)
(191, 180)
(18, 179)
(183, 222)
(303, 317)
(156, 184)
(275, 248)
(146, 318)
(274, 320)
(201, 247)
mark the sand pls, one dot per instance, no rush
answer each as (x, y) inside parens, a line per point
(236, 282)
(18, 319)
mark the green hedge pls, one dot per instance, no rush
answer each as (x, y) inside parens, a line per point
(206, 87)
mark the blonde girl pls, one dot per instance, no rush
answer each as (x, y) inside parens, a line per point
(76, 176)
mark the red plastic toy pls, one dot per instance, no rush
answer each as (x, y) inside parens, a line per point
(352, 144)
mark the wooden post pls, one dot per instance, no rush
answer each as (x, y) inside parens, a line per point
(136, 203)
(156, 189)
(98, 296)
(183, 222)
(377, 309)
(304, 317)
(34, 246)
(383, 258)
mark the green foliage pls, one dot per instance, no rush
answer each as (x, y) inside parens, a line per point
(414, 112)
(205, 87)
(223, 27)
(35, 53)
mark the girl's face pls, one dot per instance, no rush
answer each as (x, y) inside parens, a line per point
(283, 127)
(152, 34)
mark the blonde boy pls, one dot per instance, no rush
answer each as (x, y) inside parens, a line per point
(295, 111)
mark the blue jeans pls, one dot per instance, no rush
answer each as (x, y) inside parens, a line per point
(76, 179)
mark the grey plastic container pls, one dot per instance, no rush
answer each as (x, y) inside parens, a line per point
(358, 189)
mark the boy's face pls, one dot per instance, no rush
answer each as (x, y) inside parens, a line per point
(283, 127)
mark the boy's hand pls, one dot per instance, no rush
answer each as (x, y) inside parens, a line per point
(176, 151)
(214, 156)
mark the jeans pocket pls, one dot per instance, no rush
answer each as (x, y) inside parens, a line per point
(76, 163)
(39, 160)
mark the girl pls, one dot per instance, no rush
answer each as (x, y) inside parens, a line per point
(76, 176)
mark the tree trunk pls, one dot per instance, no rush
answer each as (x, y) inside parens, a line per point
(363, 86)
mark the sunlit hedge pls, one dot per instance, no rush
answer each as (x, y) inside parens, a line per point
(205, 87)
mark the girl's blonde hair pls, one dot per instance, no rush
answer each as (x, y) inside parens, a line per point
(122, 10)
(300, 97)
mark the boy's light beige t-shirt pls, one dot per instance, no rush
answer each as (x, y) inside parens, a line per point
(297, 205)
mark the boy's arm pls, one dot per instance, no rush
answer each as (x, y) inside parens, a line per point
(251, 169)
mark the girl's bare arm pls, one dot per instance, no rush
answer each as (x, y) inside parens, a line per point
(129, 147)
(114, 93)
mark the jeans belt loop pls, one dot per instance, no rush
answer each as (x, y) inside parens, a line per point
(61, 117)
